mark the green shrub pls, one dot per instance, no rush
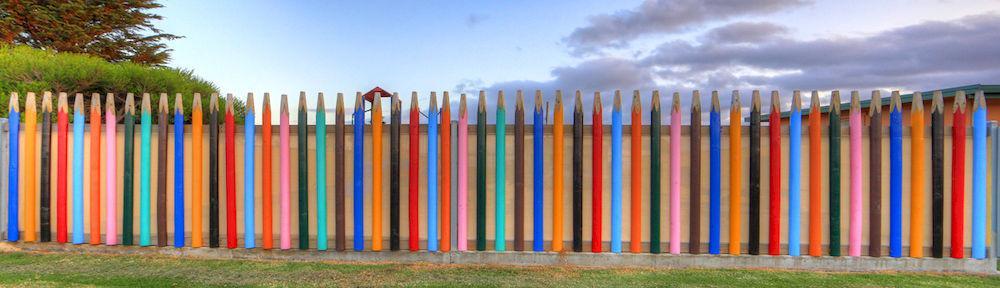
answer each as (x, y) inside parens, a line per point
(24, 69)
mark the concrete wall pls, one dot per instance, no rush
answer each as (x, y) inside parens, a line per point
(566, 166)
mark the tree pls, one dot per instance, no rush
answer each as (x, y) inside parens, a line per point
(116, 30)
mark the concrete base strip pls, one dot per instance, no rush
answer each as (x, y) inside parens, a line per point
(644, 260)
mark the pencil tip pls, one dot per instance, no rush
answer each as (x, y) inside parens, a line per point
(835, 102)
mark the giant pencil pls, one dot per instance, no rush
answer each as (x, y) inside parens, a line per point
(578, 173)
(213, 171)
(715, 169)
(284, 181)
(463, 168)
(937, 175)
(340, 240)
(230, 127)
(321, 240)
(815, 179)
(854, 240)
(557, 174)
(394, 133)
(302, 135)
(538, 175)
(774, 176)
(13, 227)
(178, 169)
(62, 125)
(376, 172)
(45, 190)
(196, 169)
(161, 171)
(95, 169)
(675, 171)
(616, 174)
(78, 154)
(875, 175)
(31, 183)
(754, 236)
(895, 177)
(481, 173)
(445, 194)
(249, 215)
(834, 173)
(635, 171)
(519, 172)
(414, 184)
(694, 208)
(735, 174)
(432, 175)
(597, 195)
(501, 178)
(359, 174)
(654, 172)
(794, 173)
(958, 155)
(144, 169)
(111, 179)
(979, 176)
(917, 176)
(267, 226)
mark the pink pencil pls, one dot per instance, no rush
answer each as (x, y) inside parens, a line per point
(675, 175)
(110, 187)
(463, 183)
(286, 224)
(854, 248)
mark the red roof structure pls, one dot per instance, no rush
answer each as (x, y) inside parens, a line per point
(370, 96)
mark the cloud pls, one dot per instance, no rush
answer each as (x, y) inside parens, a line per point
(474, 19)
(745, 32)
(653, 17)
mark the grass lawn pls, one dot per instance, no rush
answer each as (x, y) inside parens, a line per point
(67, 269)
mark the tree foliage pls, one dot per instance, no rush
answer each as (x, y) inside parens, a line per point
(116, 30)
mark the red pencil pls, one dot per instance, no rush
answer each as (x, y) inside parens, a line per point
(266, 173)
(598, 142)
(445, 132)
(774, 207)
(62, 124)
(230, 175)
(958, 177)
(414, 174)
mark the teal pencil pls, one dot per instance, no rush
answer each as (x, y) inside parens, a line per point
(501, 180)
(320, 174)
(144, 163)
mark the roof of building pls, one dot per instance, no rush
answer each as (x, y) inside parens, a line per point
(991, 92)
(370, 96)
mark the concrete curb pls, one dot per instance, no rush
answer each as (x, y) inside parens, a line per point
(644, 260)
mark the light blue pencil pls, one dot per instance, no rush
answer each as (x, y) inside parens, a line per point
(432, 175)
(979, 177)
(616, 174)
(249, 227)
(794, 173)
(78, 153)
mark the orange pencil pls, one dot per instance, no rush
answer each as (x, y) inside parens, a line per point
(635, 240)
(815, 221)
(917, 177)
(376, 172)
(445, 132)
(196, 177)
(735, 173)
(557, 174)
(30, 162)
(95, 169)
(267, 229)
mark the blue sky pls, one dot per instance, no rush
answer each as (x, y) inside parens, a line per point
(671, 45)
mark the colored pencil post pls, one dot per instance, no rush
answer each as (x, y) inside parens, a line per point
(654, 173)
(446, 170)
(616, 174)
(78, 154)
(249, 169)
(376, 123)
(463, 168)
(213, 171)
(161, 170)
(266, 195)
(359, 175)
(145, 153)
(774, 176)
(937, 175)
(500, 196)
(62, 124)
(895, 177)
(231, 238)
(794, 174)
(414, 184)
(179, 234)
(13, 201)
(735, 174)
(635, 218)
(815, 178)
(958, 155)
(538, 175)
(979, 176)
(675, 170)
(578, 173)
(694, 208)
(557, 173)
(31, 160)
(284, 177)
(302, 135)
(834, 173)
(917, 176)
(45, 171)
(753, 245)
(856, 220)
(111, 176)
(394, 175)
(95, 168)
(875, 175)
(197, 160)
(340, 240)
(715, 181)
(432, 175)
(519, 172)
(480, 173)
(597, 186)
(321, 235)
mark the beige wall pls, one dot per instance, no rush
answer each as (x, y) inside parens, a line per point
(627, 157)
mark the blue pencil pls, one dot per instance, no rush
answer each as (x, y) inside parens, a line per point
(979, 177)
(178, 172)
(616, 175)
(78, 153)
(249, 226)
(895, 177)
(538, 241)
(359, 173)
(13, 229)
(432, 175)
(714, 192)
(794, 173)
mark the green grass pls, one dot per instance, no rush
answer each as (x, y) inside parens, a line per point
(67, 269)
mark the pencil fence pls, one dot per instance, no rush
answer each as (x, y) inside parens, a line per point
(853, 183)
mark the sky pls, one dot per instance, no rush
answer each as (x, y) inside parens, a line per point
(673, 46)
